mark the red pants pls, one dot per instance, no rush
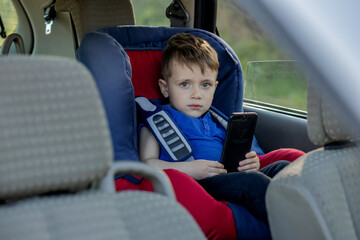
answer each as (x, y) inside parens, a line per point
(214, 217)
(288, 154)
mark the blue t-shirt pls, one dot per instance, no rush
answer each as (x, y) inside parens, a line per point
(206, 136)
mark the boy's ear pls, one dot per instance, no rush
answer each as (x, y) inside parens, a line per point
(216, 83)
(163, 87)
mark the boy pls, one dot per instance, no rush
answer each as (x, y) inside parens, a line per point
(190, 67)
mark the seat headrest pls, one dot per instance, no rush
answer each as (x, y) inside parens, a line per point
(90, 15)
(135, 39)
(54, 135)
(325, 124)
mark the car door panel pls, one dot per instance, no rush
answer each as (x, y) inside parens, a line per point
(278, 130)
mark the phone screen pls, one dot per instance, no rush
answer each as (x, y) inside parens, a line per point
(238, 139)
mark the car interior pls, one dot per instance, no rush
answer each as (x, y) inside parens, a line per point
(89, 59)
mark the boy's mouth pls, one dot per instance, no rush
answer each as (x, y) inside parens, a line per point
(195, 106)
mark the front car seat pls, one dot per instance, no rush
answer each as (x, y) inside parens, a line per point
(56, 150)
(318, 196)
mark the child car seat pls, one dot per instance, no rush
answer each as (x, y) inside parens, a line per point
(106, 53)
(145, 45)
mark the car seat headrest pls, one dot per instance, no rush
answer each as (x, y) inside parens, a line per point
(325, 124)
(90, 15)
(54, 135)
(151, 41)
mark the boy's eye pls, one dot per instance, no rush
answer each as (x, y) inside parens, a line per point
(184, 84)
(206, 85)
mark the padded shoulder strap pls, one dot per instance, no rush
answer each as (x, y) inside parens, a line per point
(165, 130)
(219, 116)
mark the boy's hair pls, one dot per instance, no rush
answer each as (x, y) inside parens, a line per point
(188, 49)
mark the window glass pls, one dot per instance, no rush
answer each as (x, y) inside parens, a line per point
(151, 12)
(8, 16)
(275, 82)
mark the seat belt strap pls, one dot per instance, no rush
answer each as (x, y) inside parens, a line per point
(219, 116)
(165, 130)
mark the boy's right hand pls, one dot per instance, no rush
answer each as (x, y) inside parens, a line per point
(201, 169)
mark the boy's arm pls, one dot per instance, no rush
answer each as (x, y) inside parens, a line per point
(149, 150)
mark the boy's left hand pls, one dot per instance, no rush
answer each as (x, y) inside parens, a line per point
(251, 163)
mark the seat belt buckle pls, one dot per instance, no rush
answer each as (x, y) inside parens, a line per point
(48, 25)
(49, 16)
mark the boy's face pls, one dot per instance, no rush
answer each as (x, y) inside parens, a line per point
(190, 91)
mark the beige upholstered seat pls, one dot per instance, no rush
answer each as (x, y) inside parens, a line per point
(89, 15)
(318, 196)
(55, 150)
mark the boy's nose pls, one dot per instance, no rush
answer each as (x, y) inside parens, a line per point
(196, 93)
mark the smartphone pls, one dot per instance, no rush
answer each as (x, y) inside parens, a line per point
(238, 139)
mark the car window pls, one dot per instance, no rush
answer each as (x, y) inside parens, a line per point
(9, 17)
(276, 82)
(271, 76)
(147, 12)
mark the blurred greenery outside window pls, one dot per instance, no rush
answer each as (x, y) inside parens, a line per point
(276, 82)
(271, 76)
(151, 12)
(9, 17)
